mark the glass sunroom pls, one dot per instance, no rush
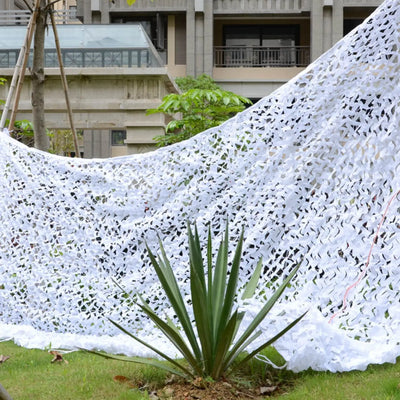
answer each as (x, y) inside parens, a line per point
(90, 46)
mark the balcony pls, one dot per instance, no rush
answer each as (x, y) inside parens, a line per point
(143, 5)
(260, 6)
(362, 3)
(22, 17)
(87, 58)
(253, 56)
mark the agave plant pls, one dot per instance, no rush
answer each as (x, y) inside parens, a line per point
(211, 348)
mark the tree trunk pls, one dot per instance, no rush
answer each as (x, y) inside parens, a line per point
(41, 138)
(3, 394)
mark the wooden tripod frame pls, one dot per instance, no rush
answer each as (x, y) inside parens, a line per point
(19, 74)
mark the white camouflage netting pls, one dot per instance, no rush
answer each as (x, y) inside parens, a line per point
(308, 171)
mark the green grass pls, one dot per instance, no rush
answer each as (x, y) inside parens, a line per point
(30, 375)
(378, 382)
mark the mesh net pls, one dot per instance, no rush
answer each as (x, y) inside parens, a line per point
(307, 171)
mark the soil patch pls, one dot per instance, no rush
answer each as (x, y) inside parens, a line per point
(203, 390)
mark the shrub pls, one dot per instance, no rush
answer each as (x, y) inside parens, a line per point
(212, 350)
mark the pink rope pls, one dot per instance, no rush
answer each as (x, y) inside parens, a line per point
(364, 271)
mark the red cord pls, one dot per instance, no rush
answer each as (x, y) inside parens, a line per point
(364, 271)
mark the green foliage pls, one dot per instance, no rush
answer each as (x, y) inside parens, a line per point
(29, 374)
(216, 346)
(24, 126)
(200, 109)
(23, 130)
(62, 141)
(2, 82)
(203, 81)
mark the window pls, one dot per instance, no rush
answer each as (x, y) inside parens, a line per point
(118, 137)
(261, 35)
(261, 45)
(350, 24)
(72, 12)
(154, 26)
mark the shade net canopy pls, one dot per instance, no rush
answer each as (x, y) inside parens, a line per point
(309, 172)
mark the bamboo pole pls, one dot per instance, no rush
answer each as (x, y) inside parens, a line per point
(23, 69)
(14, 80)
(25, 46)
(65, 83)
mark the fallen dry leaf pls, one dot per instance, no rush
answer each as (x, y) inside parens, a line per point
(267, 389)
(3, 359)
(57, 357)
(120, 378)
(124, 379)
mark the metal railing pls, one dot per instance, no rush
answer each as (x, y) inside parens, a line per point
(252, 56)
(251, 6)
(88, 58)
(159, 5)
(21, 17)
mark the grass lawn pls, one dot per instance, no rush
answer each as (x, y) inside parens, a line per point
(30, 375)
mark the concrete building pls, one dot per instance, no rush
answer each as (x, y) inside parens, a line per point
(16, 12)
(67, 10)
(114, 73)
(250, 47)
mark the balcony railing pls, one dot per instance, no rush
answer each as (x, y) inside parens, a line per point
(21, 17)
(145, 5)
(252, 56)
(362, 3)
(264, 6)
(86, 58)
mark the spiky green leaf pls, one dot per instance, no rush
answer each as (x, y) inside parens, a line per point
(251, 286)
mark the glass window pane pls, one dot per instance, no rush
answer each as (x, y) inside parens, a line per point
(118, 137)
(99, 45)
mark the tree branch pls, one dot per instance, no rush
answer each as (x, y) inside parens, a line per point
(28, 5)
(51, 4)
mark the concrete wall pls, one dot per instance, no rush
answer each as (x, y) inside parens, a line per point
(64, 4)
(254, 82)
(103, 99)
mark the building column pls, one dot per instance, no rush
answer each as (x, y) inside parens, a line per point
(171, 41)
(326, 25)
(87, 12)
(199, 34)
(327, 28)
(7, 5)
(199, 56)
(337, 21)
(317, 29)
(105, 11)
(190, 39)
(208, 38)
